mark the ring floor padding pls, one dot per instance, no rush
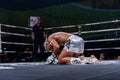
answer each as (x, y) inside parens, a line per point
(42, 71)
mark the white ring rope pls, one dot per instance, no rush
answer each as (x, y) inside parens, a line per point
(75, 33)
(16, 43)
(70, 26)
(88, 24)
(84, 32)
(16, 34)
(16, 51)
(97, 23)
(95, 49)
(15, 26)
(103, 30)
(100, 40)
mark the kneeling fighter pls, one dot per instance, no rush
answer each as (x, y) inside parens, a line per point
(73, 46)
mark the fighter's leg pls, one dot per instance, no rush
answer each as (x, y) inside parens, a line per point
(65, 56)
(52, 59)
(66, 60)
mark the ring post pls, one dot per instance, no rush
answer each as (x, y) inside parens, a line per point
(79, 30)
(0, 40)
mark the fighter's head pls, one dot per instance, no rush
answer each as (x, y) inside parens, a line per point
(47, 45)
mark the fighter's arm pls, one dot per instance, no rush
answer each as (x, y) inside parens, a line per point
(52, 44)
(55, 46)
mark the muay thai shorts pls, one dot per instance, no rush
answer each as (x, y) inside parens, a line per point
(74, 44)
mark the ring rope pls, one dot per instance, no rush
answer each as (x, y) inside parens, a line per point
(15, 43)
(70, 26)
(15, 26)
(103, 30)
(97, 23)
(101, 40)
(95, 49)
(88, 24)
(16, 34)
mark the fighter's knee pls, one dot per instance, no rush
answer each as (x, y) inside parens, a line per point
(64, 60)
(60, 60)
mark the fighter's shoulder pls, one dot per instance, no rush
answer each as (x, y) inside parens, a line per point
(61, 33)
(58, 35)
(54, 34)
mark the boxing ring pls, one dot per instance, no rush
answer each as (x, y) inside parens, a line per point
(107, 70)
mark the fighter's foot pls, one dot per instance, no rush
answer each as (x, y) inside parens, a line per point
(52, 59)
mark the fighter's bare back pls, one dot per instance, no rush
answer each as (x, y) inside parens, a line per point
(60, 37)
